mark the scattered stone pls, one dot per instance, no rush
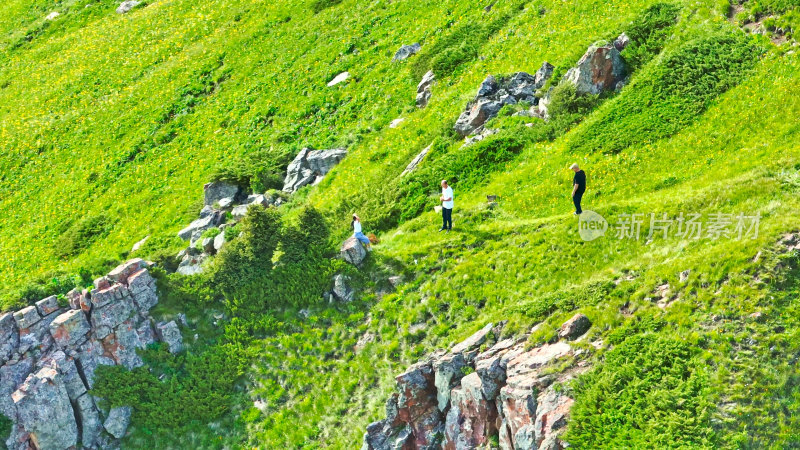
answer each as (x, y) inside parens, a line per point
(52, 16)
(365, 339)
(424, 89)
(208, 246)
(225, 203)
(353, 251)
(191, 265)
(757, 316)
(621, 42)
(127, 5)
(575, 327)
(395, 280)
(219, 241)
(310, 166)
(684, 276)
(139, 244)
(479, 136)
(476, 115)
(406, 52)
(304, 313)
(202, 224)
(598, 70)
(396, 122)
(117, 421)
(473, 342)
(170, 335)
(417, 159)
(339, 79)
(341, 289)
(216, 191)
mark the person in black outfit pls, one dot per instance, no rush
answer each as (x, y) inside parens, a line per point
(578, 187)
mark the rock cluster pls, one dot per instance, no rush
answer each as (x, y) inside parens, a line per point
(494, 93)
(220, 198)
(49, 354)
(462, 398)
(310, 166)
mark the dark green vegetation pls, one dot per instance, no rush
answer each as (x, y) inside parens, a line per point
(112, 124)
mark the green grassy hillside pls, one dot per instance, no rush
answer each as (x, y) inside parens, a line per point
(111, 124)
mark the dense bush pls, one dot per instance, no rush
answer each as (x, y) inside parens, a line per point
(649, 32)
(258, 171)
(649, 392)
(670, 94)
(83, 233)
(319, 5)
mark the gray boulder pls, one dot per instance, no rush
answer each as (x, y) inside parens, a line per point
(117, 421)
(170, 334)
(424, 89)
(342, 289)
(522, 86)
(69, 328)
(353, 251)
(598, 70)
(226, 203)
(575, 327)
(239, 211)
(201, 224)
(127, 5)
(219, 241)
(621, 42)
(47, 306)
(406, 51)
(543, 74)
(191, 264)
(310, 166)
(476, 115)
(44, 410)
(215, 191)
(27, 317)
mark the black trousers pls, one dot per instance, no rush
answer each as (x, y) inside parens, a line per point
(447, 218)
(576, 199)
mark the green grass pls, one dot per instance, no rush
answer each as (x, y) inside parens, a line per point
(111, 125)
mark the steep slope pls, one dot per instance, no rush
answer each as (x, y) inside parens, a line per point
(127, 116)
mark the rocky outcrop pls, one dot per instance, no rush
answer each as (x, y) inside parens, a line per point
(424, 89)
(494, 93)
(49, 356)
(310, 166)
(406, 52)
(465, 398)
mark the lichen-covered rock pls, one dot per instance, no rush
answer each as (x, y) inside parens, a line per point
(143, 289)
(27, 317)
(123, 272)
(44, 410)
(353, 251)
(198, 226)
(69, 328)
(117, 421)
(448, 371)
(91, 355)
(552, 412)
(170, 335)
(417, 404)
(36, 336)
(105, 318)
(598, 70)
(47, 306)
(215, 191)
(121, 345)
(12, 374)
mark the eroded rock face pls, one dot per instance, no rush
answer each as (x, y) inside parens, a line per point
(48, 359)
(424, 92)
(310, 166)
(463, 398)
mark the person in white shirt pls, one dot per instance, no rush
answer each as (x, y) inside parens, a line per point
(447, 207)
(359, 235)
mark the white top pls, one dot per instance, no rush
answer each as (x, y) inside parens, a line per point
(357, 227)
(447, 193)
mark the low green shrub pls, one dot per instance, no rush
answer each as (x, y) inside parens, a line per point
(83, 233)
(319, 5)
(649, 32)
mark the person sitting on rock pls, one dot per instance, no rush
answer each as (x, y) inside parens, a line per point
(358, 234)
